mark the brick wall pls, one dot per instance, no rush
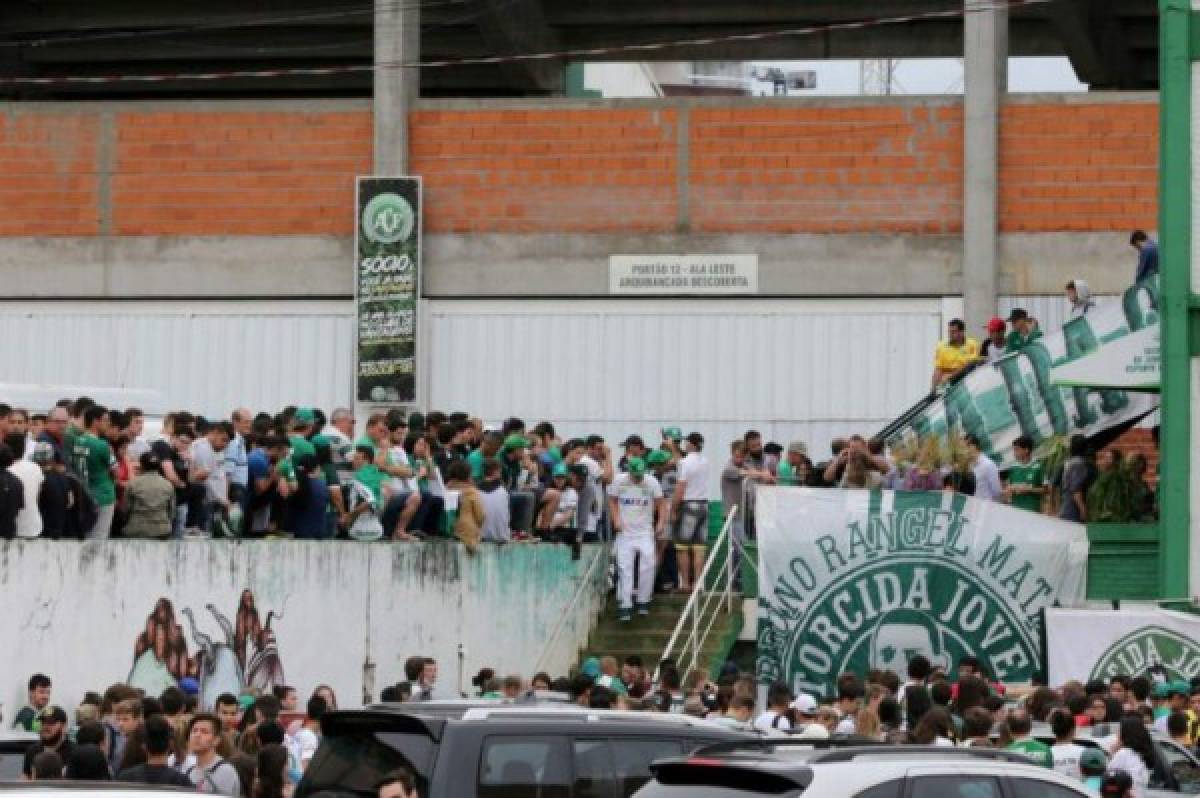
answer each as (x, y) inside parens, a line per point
(231, 173)
(1079, 167)
(1138, 441)
(834, 167)
(48, 173)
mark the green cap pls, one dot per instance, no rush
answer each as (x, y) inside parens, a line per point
(1093, 759)
(1162, 689)
(1180, 688)
(674, 433)
(304, 415)
(590, 667)
(559, 470)
(635, 466)
(658, 457)
(555, 454)
(514, 442)
(245, 701)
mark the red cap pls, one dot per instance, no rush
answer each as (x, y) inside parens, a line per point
(995, 325)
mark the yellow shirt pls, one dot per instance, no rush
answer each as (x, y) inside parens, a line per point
(951, 358)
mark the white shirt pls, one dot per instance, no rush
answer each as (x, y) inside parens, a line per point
(693, 469)
(846, 725)
(568, 505)
(29, 520)
(204, 457)
(1066, 759)
(304, 745)
(766, 721)
(590, 516)
(635, 502)
(397, 485)
(987, 478)
(1131, 762)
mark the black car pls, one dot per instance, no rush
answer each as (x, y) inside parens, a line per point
(512, 752)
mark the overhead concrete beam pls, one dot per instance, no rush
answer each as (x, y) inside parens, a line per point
(515, 27)
(1091, 35)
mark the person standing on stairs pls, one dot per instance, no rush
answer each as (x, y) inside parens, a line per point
(635, 501)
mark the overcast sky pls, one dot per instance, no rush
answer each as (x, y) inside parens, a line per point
(933, 76)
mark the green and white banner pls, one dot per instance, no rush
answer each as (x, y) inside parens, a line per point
(1099, 644)
(1018, 394)
(1129, 363)
(387, 259)
(852, 580)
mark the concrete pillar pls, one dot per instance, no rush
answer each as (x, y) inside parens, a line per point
(985, 61)
(397, 41)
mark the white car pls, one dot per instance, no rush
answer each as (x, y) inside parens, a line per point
(785, 770)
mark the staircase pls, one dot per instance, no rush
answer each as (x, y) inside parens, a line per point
(647, 636)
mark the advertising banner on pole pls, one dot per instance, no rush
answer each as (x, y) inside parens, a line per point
(851, 580)
(1137, 640)
(387, 257)
(1020, 395)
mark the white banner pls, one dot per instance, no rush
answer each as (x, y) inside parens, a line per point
(1128, 363)
(1099, 644)
(851, 580)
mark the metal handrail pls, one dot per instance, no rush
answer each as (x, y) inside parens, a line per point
(602, 555)
(701, 600)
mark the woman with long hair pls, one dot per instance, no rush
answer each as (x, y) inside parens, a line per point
(270, 780)
(1134, 753)
(934, 728)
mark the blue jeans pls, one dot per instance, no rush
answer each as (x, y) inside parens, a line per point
(427, 519)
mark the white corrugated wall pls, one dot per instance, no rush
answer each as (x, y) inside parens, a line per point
(793, 369)
(206, 357)
(1051, 310)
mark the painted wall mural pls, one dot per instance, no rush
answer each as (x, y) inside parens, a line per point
(244, 653)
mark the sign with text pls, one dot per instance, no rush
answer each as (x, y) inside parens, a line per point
(1131, 362)
(387, 260)
(851, 580)
(657, 275)
(1135, 641)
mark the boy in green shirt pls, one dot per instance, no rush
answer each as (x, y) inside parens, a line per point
(366, 496)
(95, 466)
(1026, 481)
(1024, 332)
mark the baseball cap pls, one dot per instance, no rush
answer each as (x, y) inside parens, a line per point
(635, 466)
(804, 704)
(559, 470)
(189, 685)
(590, 667)
(657, 457)
(696, 439)
(53, 714)
(1162, 689)
(996, 324)
(245, 701)
(674, 433)
(304, 415)
(798, 447)
(515, 442)
(633, 440)
(1018, 314)
(43, 453)
(1093, 759)
(1179, 688)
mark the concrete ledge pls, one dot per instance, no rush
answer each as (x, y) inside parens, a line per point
(541, 265)
(124, 267)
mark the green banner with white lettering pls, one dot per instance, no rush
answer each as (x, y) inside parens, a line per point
(387, 257)
(1135, 641)
(851, 580)
(1021, 393)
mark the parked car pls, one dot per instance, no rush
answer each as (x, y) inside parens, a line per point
(795, 768)
(13, 746)
(1177, 771)
(502, 752)
(87, 789)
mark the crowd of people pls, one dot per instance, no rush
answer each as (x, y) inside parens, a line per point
(259, 745)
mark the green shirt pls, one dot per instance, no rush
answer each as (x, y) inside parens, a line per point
(1038, 752)
(300, 447)
(786, 475)
(475, 460)
(93, 461)
(1016, 342)
(68, 447)
(1031, 474)
(371, 478)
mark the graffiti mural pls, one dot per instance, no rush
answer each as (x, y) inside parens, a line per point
(234, 656)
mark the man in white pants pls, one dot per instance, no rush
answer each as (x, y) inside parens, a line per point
(635, 501)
